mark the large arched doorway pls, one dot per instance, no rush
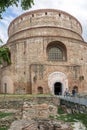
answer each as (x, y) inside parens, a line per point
(56, 79)
(57, 88)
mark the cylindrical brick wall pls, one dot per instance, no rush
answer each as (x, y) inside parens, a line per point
(31, 36)
(46, 22)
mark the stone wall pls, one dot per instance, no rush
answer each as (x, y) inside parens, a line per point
(37, 107)
(42, 18)
(71, 107)
(37, 32)
(7, 102)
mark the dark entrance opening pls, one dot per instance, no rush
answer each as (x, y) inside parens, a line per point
(76, 89)
(58, 88)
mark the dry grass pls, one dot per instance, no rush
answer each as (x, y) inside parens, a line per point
(7, 97)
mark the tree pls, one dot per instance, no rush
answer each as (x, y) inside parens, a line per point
(4, 4)
(5, 55)
(1, 42)
(25, 4)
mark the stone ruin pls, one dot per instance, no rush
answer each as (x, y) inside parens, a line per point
(36, 117)
(44, 124)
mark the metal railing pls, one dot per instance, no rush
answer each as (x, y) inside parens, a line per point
(75, 99)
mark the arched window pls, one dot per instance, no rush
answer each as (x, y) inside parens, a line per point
(56, 51)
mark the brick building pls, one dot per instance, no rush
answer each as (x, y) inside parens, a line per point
(48, 54)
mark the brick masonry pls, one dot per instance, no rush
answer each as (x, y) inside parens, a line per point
(29, 37)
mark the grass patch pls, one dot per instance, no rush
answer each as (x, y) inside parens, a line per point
(4, 128)
(3, 114)
(8, 97)
(73, 118)
(60, 110)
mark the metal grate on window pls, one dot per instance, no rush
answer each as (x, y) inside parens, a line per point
(55, 54)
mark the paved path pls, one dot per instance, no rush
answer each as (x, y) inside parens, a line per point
(78, 100)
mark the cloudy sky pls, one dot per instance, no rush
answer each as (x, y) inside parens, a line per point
(77, 8)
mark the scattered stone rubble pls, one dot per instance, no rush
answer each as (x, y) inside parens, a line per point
(44, 124)
(33, 115)
(44, 110)
(36, 117)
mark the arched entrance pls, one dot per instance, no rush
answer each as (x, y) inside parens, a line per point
(40, 90)
(57, 82)
(57, 88)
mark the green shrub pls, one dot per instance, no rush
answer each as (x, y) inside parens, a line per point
(60, 110)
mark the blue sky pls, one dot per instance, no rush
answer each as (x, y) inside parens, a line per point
(77, 8)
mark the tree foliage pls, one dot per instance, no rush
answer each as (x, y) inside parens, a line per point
(5, 55)
(4, 4)
(25, 4)
(1, 41)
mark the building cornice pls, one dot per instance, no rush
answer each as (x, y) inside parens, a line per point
(42, 28)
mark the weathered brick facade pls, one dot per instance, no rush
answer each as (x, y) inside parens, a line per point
(31, 36)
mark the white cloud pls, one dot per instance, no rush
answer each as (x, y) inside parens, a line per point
(3, 34)
(77, 8)
(4, 23)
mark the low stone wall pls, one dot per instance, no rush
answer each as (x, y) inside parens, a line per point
(11, 104)
(71, 107)
(18, 103)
